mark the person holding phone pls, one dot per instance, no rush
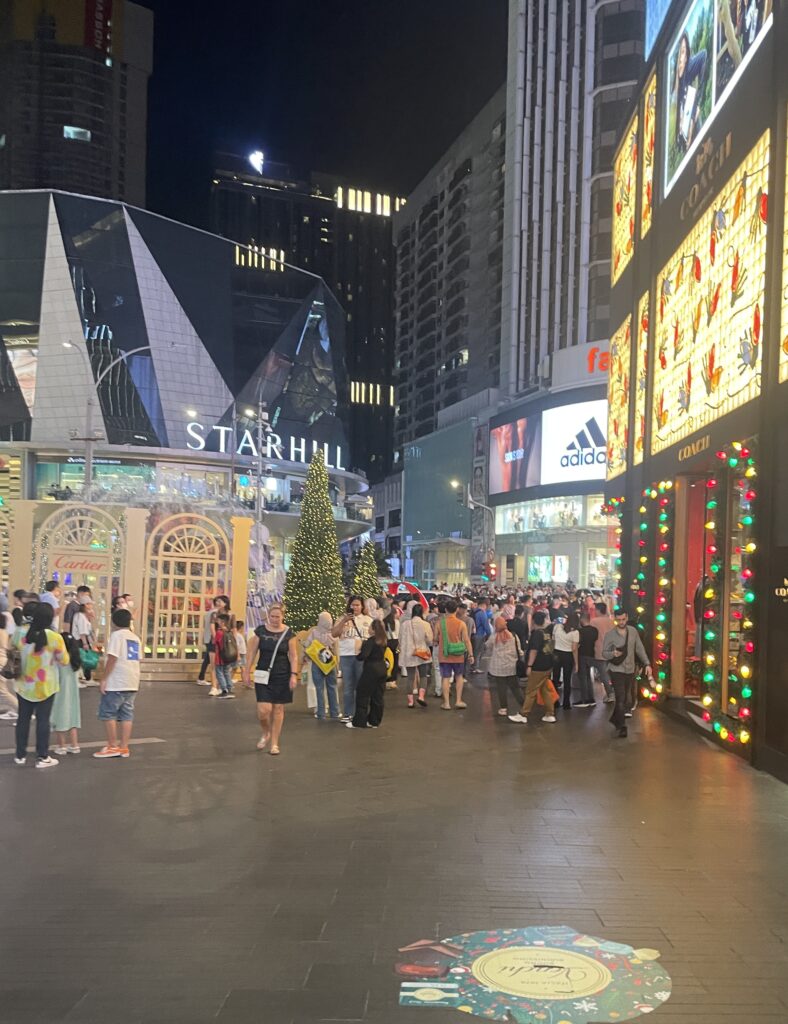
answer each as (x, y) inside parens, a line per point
(353, 628)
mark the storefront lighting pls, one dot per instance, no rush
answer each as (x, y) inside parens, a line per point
(659, 687)
(737, 446)
(662, 637)
(750, 473)
(710, 594)
(745, 671)
(749, 596)
(744, 736)
(706, 716)
(710, 659)
(644, 526)
(708, 614)
(746, 692)
(714, 567)
(746, 520)
(721, 456)
(640, 609)
(711, 525)
(664, 529)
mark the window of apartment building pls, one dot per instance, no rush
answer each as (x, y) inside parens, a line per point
(77, 134)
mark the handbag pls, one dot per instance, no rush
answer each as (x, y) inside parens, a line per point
(262, 675)
(89, 658)
(321, 656)
(521, 668)
(451, 647)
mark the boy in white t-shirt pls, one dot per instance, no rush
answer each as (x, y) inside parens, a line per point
(120, 685)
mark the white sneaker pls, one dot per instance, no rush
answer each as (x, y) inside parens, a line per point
(20, 761)
(203, 682)
(9, 716)
(214, 691)
(47, 762)
(74, 750)
(549, 718)
(519, 719)
(610, 700)
(627, 714)
(60, 751)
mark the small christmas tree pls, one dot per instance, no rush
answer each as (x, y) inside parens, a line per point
(365, 582)
(314, 581)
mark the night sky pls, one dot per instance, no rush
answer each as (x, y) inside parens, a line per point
(373, 90)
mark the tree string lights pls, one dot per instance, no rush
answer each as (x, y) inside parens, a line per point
(728, 709)
(615, 508)
(655, 576)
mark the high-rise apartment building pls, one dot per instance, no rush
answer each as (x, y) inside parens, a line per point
(343, 233)
(572, 71)
(449, 262)
(74, 96)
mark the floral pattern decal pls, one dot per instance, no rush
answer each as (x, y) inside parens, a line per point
(641, 380)
(710, 308)
(618, 399)
(647, 171)
(624, 191)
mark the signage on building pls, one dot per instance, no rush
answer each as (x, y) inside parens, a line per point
(98, 25)
(76, 563)
(689, 451)
(579, 366)
(293, 449)
(574, 443)
(711, 48)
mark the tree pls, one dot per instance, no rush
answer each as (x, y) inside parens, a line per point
(365, 582)
(314, 581)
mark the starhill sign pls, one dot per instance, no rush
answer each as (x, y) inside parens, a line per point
(292, 449)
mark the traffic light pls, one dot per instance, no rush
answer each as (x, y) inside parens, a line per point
(491, 571)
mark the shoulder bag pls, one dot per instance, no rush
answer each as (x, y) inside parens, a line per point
(262, 675)
(453, 648)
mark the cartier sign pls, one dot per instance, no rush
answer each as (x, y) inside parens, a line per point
(76, 563)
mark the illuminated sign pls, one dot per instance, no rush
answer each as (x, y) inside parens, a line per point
(710, 306)
(618, 399)
(641, 380)
(515, 453)
(297, 449)
(647, 156)
(98, 21)
(257, 160)
(713, 45)
(625, 174)
(574, 442)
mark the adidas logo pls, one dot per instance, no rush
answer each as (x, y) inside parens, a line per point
(589, 447)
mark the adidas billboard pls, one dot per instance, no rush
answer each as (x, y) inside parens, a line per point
(574, 443)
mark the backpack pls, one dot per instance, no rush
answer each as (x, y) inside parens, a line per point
(229, 647)
(13, 666)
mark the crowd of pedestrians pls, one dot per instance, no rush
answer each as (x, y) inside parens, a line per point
(540, 646)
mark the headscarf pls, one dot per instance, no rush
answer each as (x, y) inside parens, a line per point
(502, 634)
(408, 613)
(372, 610)
(322, 631)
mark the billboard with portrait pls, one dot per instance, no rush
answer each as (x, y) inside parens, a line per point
(712, 46)
(515, 455)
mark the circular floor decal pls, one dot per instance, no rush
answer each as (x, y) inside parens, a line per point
(533, 976)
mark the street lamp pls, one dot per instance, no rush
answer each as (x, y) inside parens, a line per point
(90, 438)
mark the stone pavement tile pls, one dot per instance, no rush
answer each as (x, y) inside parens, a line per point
(36, 1002)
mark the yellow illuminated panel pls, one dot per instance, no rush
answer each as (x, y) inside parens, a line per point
(649, 138)
(641, 381)
(624, 185)
(784, 325)
(618, 399)
(709, 321)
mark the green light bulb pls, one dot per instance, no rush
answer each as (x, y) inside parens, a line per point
(749, 597)
(746, 692)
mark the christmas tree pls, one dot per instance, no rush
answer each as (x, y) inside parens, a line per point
(365, 582)
(314, 581)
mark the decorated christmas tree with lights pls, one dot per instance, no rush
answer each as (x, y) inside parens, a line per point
(365, 582)
(314, 582)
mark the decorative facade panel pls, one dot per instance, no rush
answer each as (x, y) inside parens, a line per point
(625, 174)
(618, 399)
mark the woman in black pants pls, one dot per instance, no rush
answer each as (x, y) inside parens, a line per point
(566, 640)
(43, 650)
(372, 684)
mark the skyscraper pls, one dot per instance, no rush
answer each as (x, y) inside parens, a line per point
(74, 96)
(343, 233)
(572, 71)
(449, 259)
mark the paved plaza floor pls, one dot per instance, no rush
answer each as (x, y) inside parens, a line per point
(202, 881)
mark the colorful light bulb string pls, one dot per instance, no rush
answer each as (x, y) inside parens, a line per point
(655, 577)
(732, 722)
(615, 509)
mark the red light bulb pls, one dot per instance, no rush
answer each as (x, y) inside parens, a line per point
(749, 647)
(711, 483)
(712, 549)
(708, 614)
(750, 496)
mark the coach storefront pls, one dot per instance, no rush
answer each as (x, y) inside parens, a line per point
(548, 458)
(699, 365)
(195, 385)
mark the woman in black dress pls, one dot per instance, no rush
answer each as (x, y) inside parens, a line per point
(273, 656)
(372, 684)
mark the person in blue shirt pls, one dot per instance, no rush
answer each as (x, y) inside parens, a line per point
(483, 630)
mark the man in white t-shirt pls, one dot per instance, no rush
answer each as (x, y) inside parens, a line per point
(120, 685)
(51, 595)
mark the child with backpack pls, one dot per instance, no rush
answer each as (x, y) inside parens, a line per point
(226, 656)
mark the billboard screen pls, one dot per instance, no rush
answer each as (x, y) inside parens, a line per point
(574, 443)
(515, 455)
(712, 46)
(656, 11)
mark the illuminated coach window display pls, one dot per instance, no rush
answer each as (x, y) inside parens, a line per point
(618, 399)
(625, 175)
(647, 156)
(641, 380)
(709, 329)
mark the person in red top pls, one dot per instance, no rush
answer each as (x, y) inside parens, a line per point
(450, 632)
(224, 664)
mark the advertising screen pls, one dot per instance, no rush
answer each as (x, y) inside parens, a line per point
(574, 443)
(515, 455)
(713, 44)
(656, 10)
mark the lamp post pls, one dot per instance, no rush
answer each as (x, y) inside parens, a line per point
(90, 438)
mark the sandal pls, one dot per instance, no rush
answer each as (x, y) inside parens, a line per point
(460, 705)
(262, 743)
(274, 751)
(445, 707)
